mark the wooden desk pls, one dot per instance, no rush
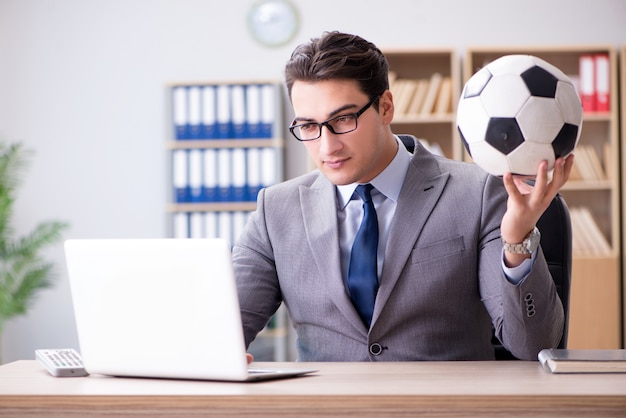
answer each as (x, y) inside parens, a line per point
(514, 388)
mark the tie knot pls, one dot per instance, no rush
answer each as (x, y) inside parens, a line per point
(364, 192)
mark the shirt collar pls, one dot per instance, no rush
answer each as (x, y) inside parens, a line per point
(388, 182)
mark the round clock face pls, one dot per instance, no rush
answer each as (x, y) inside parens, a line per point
(273, 22)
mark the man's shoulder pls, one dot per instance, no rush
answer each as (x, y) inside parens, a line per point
(437, 164)
(311, 179)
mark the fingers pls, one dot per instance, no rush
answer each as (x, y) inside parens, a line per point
(524, 184)
(526, 202)
(542, 189)
(249, 358)
(562, 170)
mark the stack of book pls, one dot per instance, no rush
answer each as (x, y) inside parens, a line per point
(223, 174)
(595, 82)
(421, 97)
(227, 145)
(210, 224)
(224, 111)
(587, 164)
(587, 237)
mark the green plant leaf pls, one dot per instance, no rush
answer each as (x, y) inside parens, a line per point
(23, 272)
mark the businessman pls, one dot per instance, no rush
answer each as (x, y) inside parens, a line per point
(386, 255)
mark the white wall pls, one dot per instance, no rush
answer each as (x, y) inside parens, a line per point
(82, 84)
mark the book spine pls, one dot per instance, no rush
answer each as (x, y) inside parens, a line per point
(587, 82)
(223, 111)
(194, 112)
(209, 129)
(180, 176)
(602, 86)
(179, 112)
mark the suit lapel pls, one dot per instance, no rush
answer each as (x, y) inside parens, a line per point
(319, 211)
(420, 192)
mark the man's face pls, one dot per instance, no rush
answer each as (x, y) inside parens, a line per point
(356, 156)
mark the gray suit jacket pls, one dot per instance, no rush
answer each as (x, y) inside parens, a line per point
(442, 287)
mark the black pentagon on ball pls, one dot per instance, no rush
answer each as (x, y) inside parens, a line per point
(465, 144)
(540, 82)
(477, 83)
(565, 140)
(504, 134)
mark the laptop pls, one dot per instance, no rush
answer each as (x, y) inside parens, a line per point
(162, 308)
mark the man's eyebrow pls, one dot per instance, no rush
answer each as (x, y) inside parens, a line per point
(330, 115)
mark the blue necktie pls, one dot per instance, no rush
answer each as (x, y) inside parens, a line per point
(363, 270)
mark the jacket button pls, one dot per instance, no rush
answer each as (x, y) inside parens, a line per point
(530, 305)
(376, 349)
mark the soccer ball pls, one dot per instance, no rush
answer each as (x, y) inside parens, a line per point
(516, 112)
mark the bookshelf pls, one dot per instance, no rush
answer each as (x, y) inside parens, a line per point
(226, 143)
(425, 84)
(593, 196)
(623, 133)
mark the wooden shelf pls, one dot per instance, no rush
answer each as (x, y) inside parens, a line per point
(437, 125)
(211, 207)
(595, 311)
(623, 161)
(225, 143)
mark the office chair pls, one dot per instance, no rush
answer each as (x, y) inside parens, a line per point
(556, 243)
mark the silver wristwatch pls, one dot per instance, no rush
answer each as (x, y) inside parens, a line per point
(528, 246)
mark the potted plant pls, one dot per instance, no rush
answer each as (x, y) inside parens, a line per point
(23, 271)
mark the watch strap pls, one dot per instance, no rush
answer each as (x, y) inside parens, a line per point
(528, 246)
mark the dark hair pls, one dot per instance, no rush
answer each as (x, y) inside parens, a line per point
(337, 55)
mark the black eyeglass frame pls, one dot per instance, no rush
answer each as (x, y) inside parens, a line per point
(327, 124)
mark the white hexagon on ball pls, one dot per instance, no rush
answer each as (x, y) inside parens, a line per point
(568, 101)
(489, 158)
(476, 119)
(500, 105)
(540, 119)
(526, 157)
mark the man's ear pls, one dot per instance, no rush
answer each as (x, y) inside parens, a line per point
(386, 107)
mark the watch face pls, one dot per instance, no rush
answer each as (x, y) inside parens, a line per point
(273, 22)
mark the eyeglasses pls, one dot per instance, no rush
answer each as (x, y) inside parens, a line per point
(342, 124)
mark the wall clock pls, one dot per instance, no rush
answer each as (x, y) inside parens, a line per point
(273, 22)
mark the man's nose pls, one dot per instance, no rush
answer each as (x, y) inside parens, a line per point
(329, 141)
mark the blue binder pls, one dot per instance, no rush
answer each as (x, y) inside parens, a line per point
(194, 98)
(195, 175)
(253, 111)
(180, 112)
(238, 172)
(238, 111)
(209, 175)
(208, 122)
(223, 112)
(253, 173)
(180, 176)
(268, 110)
(210, 224)
(180, 225)
(224, 176)
(269, 167)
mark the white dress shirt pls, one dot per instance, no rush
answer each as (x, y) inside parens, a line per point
(387, 186)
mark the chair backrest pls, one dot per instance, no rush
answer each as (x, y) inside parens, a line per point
(555, 226)
(556, 243)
